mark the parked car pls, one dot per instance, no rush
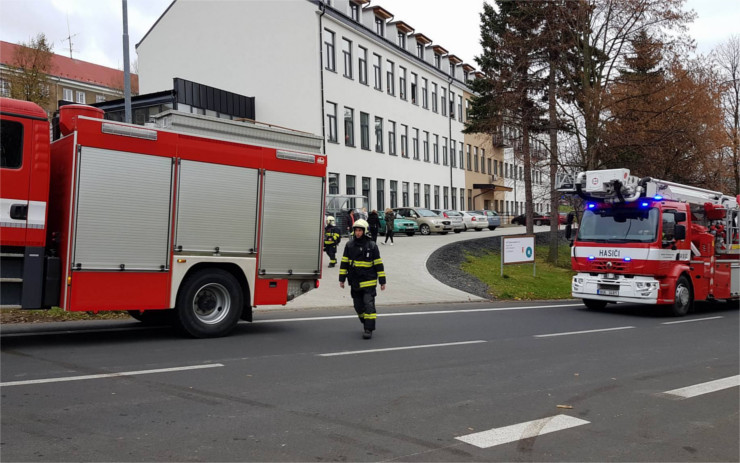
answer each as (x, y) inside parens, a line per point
(493, 218)
(400, 225)
(562, 218)
(474, 220)
(537, 218)
(455, 217)
(428, 221)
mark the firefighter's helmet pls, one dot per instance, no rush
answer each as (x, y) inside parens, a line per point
(330, 220)
(360, 224)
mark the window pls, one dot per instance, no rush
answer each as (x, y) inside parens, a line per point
(329, 50)
(435, 150)
(67, 94)
(99, 98)
(405, 194)
(426, 146)
(437, 61)
(80, 97)
(354, 11)
(434, 97)
(454, 197)
(452, 69)
(521, 173)
(402, 39)
(414, 84)
(453, 154)
(333, 183)
(402, 82)
(366, 192)
(331, 116)
(347, 52)
(436, 196)
(379, 26)
(416, 195)
(427, 190)
(350, 190)
(462, 198)
(11, 140)
(362, 65)
(391, 138)
(415, 143)
(364, 131)
(404, 140)
(444, 151)
(390, 77)
(424, 102)
(380, 193)
(462, 158)
(444, 101)
(378, 134)
(459, 108)
(452, 104)
(394, 193)
(419, 50)
(377, 72)
(349, 126)
(4, 88)
(475, 158)
(470, 163)
(470, 200)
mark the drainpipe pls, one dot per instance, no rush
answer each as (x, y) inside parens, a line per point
(449, 135)
(126, 67)
(322, 8)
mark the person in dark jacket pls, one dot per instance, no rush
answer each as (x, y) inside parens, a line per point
(363, 268)
(390, 218)
(332, 237)
(374, 222)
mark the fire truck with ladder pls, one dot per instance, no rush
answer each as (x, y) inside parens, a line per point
(191, 219)
(650, 241)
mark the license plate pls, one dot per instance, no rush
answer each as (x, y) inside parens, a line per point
(608, 292)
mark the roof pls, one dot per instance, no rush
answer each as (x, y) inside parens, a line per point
(74, 69)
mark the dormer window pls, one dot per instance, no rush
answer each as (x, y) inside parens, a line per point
(401, 39)
(437, 61)
(354, 10)
(379, 26)
(419, 50)
(452, 69)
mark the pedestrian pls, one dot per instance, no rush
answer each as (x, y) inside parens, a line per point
(332, 237)
(390, 218)
(363, 268)
(374, 222)
(363, 213)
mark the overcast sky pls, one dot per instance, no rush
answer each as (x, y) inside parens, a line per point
(96, 25)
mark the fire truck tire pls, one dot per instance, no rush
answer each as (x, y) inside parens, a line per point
(593, 304)
(683, 298)
(209, 304)
(153, 317)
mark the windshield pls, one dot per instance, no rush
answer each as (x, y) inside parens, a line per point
(619, 225)
(426, 213)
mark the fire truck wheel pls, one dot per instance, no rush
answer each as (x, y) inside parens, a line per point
(683, 299)
(593, 304)
(153, 317)
(209, 303)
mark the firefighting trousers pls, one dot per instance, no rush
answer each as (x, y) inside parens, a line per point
(364, 302)
(331, 250)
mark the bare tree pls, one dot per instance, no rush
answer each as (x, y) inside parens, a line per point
(29, 69)
(727, 58)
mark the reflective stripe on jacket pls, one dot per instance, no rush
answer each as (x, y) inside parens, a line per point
(361, 264)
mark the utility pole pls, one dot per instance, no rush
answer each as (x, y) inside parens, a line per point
(126, 67)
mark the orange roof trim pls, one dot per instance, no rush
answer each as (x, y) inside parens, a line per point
(454, 59)
(440, 50)
(423, 39)
(380, 12)
(402, 26)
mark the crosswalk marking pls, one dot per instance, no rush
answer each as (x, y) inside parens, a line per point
(705, 388)
(516, 432)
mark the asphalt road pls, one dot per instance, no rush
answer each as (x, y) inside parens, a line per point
(451, 382)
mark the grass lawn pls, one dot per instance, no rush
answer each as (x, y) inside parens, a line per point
(551, 281)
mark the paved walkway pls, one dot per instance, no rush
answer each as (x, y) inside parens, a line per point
(409, 282)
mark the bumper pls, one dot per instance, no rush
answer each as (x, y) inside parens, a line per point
(616, 288)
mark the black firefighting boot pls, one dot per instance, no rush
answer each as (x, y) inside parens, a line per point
(367, 334)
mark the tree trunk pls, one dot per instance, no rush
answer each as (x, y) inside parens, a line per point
(552, 256)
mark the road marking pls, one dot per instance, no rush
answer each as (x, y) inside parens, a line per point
(369, 351)
(692, 320)
(108, 375)
(405, 314)
(583, 332)
(705, 388)
(516, 432)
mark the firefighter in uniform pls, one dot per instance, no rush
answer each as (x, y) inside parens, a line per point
(332, 237)
(363, 267)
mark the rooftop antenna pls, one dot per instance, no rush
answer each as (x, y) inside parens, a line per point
(69, 37)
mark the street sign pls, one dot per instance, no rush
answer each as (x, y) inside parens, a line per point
(517, 250)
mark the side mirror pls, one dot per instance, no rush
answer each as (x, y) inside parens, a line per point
(680, 231)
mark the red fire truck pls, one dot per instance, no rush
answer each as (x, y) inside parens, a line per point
(192, 219)
(652, 241)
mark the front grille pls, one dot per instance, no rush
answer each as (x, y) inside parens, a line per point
(604, 267)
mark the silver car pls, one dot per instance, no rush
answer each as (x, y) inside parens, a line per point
(455, 217)
(474, 221)
(428, 221)
(493, 218)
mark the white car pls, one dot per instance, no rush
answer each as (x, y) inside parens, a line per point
(474, 221)
(455, 217)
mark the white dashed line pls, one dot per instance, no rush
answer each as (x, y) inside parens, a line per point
(424, 346)
(705, 388)
(689, 321)
(108, 375)
(516, 432)
(583, 332)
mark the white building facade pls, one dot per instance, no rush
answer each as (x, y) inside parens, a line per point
(388, 101)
